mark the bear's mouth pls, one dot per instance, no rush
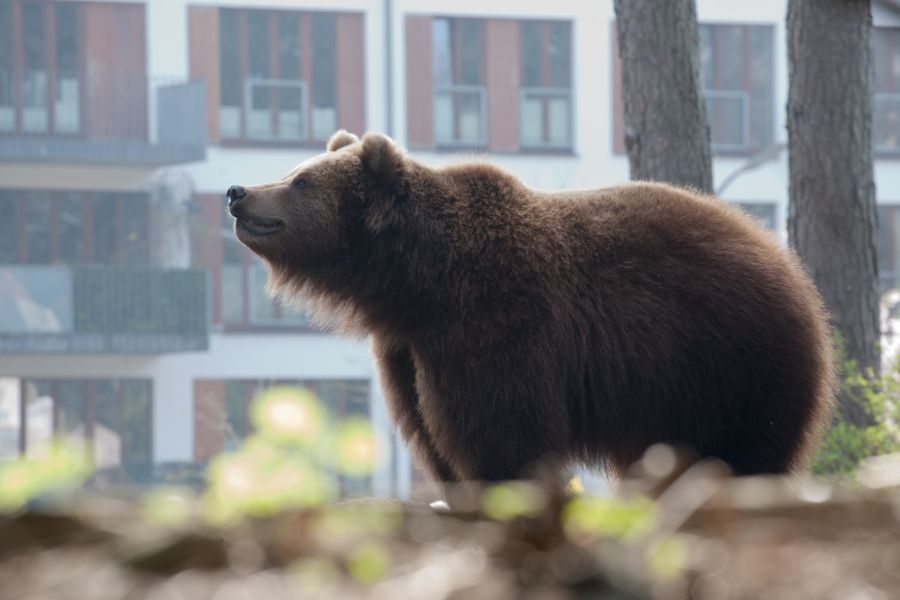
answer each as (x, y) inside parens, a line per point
(258, 226)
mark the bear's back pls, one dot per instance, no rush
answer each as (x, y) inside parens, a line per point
(697, 317)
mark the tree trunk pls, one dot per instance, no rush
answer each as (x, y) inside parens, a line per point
(666, 131)
(832, 215)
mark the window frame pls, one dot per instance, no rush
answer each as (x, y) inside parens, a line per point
(893, 242)
(18, 68)
(306, 70)
(89, 398)
(617, 128)
(746, 89)
(744, 205)
(282, 321)
(457, 87)
(250, 388)
(21, 199)
(892, 38)
(547, 88)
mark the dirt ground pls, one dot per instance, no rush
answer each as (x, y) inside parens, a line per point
(696, 535)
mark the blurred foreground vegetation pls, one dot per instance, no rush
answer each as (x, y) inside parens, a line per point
(269, 525)
(845, 445)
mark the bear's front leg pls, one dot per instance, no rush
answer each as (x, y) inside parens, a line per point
(397, 372)
(496, 418)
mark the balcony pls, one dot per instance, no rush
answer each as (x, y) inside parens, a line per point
(99, 309)
(124, 120)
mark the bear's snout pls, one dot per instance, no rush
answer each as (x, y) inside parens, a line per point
(234, 194)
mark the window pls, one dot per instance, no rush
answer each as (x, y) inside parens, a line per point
(324, 80)
(40, 79)
(545, 96)
(7, 70)
(244, 298)
(459, 92)
(889, 246)
(736, 73)
(763, 211)
(278, 75)
(499, 84)
(113, 416)
(222, 414)
(43, 228)
(886, 103)
(9, 236)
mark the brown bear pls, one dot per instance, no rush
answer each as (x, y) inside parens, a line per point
(511, 325)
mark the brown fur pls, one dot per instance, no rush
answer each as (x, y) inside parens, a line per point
(511, 325)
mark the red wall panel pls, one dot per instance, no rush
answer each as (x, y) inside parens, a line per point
(203, 42)
(116, 70)
(209, 419)
(351, 72)
(502, 42)
(419, 83)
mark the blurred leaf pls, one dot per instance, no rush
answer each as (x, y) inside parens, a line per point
(62, 466)
(369, 563)
(358, 450)
(667, 557)
(169, 507)
(506, 501)
(623, 519)
(289, 415)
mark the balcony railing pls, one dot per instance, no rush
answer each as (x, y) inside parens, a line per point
(123, 119)
(459, 115)
(58, 309)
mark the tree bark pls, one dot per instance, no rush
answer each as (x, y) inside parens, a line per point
(832, 216)
(666, 130)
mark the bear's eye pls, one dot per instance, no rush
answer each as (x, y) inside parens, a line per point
(300, 183)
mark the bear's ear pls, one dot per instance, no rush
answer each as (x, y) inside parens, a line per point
(381, 156)
(341, 138)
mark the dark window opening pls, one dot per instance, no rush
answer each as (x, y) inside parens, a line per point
(112, 416)
(736, 73)
(886, 101)
(227, 403)
(44, 228)
(460, 96)
(41, 76)
(545, 98)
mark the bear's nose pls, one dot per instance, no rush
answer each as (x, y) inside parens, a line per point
(235, 193)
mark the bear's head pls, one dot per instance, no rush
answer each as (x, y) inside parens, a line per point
(321, 228)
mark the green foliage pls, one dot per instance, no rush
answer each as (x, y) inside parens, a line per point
(845, 445)
(292, 460)
(611, 517)
(512, 499)
(60, 468)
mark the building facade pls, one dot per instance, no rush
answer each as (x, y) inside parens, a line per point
(132, 318)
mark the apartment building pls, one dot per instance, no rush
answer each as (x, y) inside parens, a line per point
(129, 314)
